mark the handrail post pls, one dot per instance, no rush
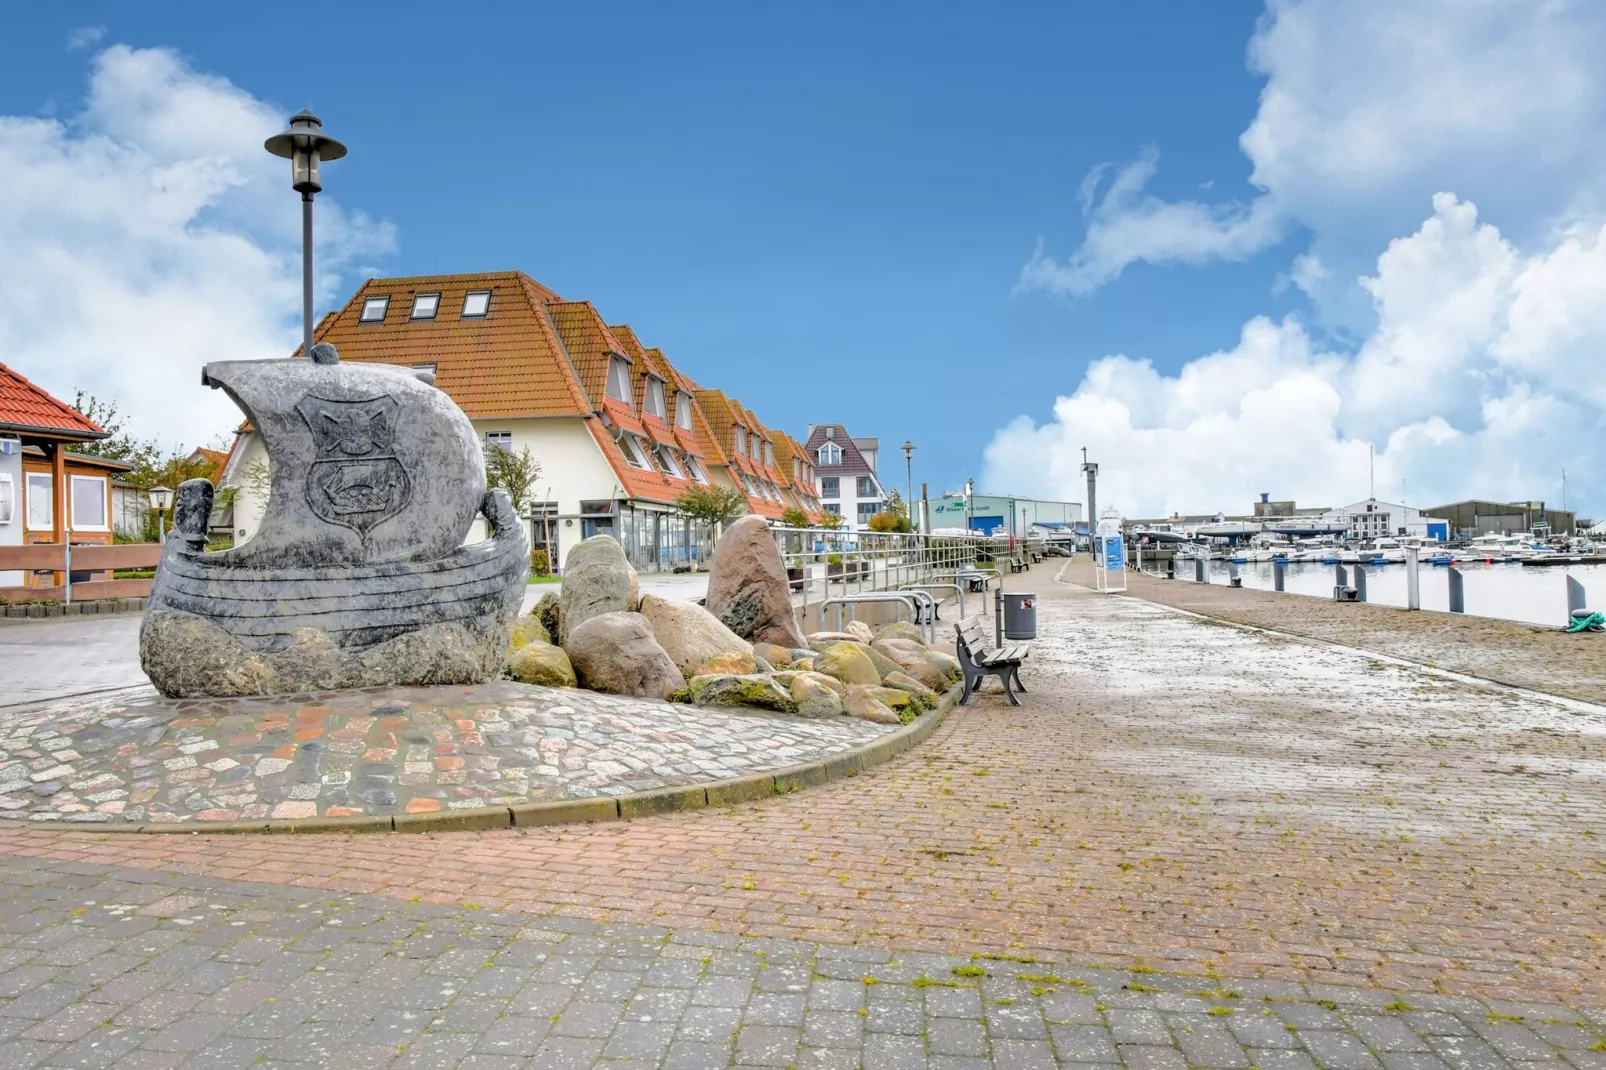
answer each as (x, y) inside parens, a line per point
(66, 576)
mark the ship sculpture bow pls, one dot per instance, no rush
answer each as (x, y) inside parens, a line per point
(358, 575)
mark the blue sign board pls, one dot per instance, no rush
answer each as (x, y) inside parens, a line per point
(1114, 553)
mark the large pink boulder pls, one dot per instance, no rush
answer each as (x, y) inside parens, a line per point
(747, 587)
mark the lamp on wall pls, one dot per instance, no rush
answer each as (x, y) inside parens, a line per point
(161, 501)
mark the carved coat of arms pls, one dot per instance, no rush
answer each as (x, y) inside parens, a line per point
(356, 480)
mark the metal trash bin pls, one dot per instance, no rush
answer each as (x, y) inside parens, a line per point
(1020, 616)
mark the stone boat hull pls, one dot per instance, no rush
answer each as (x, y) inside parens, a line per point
(356, 606)
(222, 630)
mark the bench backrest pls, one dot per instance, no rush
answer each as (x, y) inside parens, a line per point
(974, 634)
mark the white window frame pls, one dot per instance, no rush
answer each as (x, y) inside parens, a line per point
(695, 469)
(666, 460)
(485, 305)
(8, 498)
(379, 301)
(632, 451)
(434, 307)
(31, 480)
(654, 398)
(618, 386)
(502, 440)
(830, 453)
(683, 410)
(105, 503)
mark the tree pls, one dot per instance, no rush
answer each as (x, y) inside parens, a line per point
(515, 473)
(894, 515)
(712, 503)
(795, 517)
(119, 444)
(830, 521)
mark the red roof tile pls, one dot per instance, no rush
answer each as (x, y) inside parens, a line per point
(25, 407)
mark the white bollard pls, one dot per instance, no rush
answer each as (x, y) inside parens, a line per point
(1413, 579)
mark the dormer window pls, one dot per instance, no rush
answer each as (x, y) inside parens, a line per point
(752, 448)
(741, 440)
(769, 454)
(425, 306)
(655, 397)
(476, 303)
(374, 309)
(830, 454)
(619, 379)
(683, 410)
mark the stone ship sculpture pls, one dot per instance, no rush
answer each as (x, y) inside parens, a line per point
(358, 575)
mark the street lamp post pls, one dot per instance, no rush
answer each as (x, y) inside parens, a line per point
(909, 480)
(161, 499)
(970, 492)
(305, 145)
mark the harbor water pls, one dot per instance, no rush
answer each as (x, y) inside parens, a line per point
(1505, 591)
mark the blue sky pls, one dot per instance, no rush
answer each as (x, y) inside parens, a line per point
(823, 210)
(831, 211)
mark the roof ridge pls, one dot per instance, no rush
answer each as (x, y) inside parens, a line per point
(77, 421)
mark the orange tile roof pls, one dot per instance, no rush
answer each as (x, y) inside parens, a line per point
(505, 365)
(650, 485)
(724, 414)
(25, 407)
(588, 341)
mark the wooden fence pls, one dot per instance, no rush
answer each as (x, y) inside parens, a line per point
(54, 557)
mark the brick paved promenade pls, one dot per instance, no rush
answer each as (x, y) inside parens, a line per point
(1175, 795)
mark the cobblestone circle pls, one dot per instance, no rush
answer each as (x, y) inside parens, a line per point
(145, 971)
(139, 758)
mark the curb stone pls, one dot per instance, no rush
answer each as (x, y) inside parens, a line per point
(751, 788)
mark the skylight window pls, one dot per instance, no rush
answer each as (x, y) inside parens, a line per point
(619, 380)
(666, 461)
(695, 469)
(632, 451)
(425, 306)
(476, 303)
(374, 309)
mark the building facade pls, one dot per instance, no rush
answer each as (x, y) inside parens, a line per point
(48, 493)
(1373, 519)
(995, 514)
(1476, 517)
(619, 432)
(845, 474)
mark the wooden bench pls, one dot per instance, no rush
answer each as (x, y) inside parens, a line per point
(979, 660)
(1017, 564)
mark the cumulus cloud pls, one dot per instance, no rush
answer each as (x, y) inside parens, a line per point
(151, 233)
(1477, 380)
(1369, 106)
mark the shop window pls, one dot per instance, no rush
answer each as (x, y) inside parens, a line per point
(89, 503)
(41, 502)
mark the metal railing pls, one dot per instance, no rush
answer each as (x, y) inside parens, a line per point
(822, 564)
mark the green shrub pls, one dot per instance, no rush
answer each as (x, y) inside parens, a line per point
(540, 563)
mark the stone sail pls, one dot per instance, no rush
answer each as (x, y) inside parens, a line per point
(357, 575)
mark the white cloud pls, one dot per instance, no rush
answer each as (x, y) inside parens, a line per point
(1368, 107)
(1126, 225)
(150, 234)
(1478, 380)
(84, 37)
